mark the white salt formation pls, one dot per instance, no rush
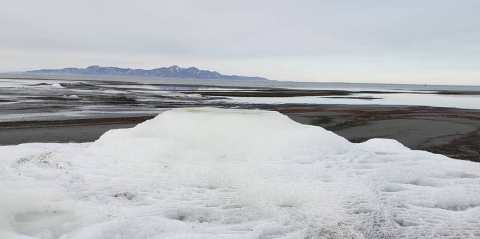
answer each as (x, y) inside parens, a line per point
(215, 173)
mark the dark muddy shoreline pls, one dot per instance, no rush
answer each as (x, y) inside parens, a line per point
(452, 132)
(448, 131)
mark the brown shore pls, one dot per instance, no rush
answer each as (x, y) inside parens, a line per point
(448, 131)
(452, 132)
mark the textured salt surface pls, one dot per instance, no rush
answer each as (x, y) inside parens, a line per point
(215, 173)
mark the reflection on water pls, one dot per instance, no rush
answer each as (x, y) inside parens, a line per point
(435, 100)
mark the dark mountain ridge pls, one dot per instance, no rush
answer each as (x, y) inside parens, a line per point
(168, 72)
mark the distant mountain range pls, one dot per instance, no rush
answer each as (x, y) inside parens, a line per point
(168, 72)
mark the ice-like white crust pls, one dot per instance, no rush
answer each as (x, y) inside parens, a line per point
(218, 173)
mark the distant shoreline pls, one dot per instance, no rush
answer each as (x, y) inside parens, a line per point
(239, 83)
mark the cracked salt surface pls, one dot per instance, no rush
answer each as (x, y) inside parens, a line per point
(217, 173)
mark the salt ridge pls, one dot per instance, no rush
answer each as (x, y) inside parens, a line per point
(218, 173)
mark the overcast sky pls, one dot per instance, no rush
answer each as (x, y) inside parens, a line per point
(404, 41)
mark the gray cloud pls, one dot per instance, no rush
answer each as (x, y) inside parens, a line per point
(307, 40)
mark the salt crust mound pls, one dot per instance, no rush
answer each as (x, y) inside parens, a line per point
(217, 173)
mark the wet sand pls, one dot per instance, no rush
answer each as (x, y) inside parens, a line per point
(452, 132)
(62, 131)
